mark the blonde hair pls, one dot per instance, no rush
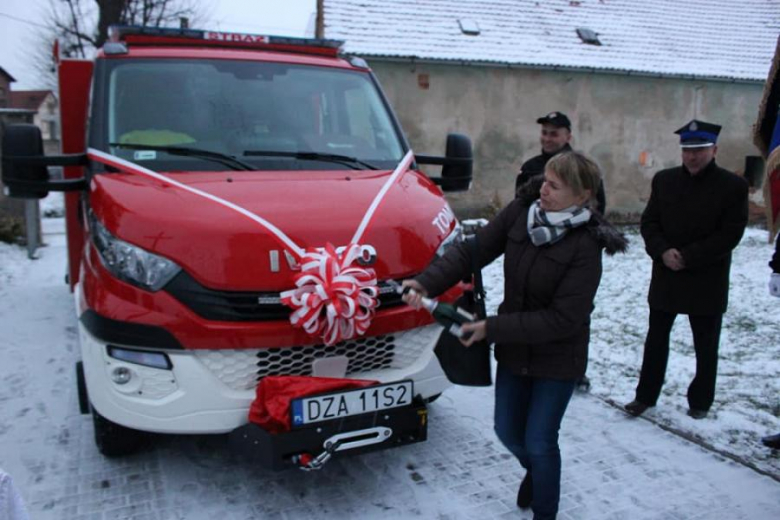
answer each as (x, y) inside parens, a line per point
(577, 171)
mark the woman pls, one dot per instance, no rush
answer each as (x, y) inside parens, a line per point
(551, 242)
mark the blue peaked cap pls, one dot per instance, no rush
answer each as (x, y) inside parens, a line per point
(698, 134)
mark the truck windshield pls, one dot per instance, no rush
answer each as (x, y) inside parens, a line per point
(269, 115)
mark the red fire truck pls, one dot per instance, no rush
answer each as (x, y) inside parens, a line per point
(210, 174)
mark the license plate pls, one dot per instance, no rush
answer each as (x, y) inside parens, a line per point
(326, 407)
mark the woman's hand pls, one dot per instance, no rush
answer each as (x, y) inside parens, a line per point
(414, 297)
(478, 331)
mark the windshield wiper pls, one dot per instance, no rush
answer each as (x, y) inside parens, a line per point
(315, 156)
(222, 158)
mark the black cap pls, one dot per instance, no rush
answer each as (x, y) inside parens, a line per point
(558, 119)
(698, 134)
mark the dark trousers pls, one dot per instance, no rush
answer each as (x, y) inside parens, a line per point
(706, 337)
(528, 416)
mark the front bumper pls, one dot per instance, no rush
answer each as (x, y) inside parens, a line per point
(210, 391)
(311, 446)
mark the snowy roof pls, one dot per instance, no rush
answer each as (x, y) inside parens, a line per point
(725, 39)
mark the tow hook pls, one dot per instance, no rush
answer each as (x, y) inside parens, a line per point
(306, 462)
(342, 441)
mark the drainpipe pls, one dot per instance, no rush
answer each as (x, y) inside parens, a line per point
(320, 24)
(32, 221)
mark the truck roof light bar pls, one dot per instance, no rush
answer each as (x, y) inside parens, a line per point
(114, 48)
(357, 62)
(134, 35)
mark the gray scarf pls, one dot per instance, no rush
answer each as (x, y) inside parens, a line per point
(548, 227)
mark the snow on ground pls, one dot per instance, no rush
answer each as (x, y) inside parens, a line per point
(747, 397)
(614, 466)
(53, 205)
(12, 262)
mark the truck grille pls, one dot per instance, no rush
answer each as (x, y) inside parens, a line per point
(243, 369)
(219, 305)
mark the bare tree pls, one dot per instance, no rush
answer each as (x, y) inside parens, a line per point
(81, 26)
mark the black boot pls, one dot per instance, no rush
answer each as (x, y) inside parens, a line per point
(773, 441)
(696, 413)
(636, 408)
(583, 384)
(526, 492)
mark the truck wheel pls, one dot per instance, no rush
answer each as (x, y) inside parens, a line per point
(114, 440)
(81, 385)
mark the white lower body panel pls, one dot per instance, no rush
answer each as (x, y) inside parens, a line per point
(192, 398)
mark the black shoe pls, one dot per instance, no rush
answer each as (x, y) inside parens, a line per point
(583, 384)
(696, 413)
(773, 441)
(526, 492)
(636, 408)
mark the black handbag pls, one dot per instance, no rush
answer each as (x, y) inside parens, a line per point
(467, 366)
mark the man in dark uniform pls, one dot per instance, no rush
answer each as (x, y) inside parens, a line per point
(555, 137)
(695, 217)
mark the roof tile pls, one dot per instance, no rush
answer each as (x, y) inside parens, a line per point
(705, 38)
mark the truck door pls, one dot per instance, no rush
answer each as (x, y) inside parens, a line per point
(75, 77)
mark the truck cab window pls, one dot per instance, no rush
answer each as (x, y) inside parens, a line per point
(231, 107)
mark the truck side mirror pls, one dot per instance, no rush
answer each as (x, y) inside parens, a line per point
(457, 175)
(24, 180)
(457, 165)
(25, 172)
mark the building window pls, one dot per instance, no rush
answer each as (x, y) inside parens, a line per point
(51, 130)
(754, 170)
(469, 26)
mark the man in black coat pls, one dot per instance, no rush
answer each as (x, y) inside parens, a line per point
(555, 137)
(695, 217)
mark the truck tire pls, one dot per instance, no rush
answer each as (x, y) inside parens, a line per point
(81, 385)
(114, 440)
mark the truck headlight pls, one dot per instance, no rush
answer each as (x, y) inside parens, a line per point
(140, 357)
(131, 263)
(455, 237)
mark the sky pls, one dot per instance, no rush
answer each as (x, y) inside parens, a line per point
(20, 19)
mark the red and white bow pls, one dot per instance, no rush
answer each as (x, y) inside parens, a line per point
(332, 299)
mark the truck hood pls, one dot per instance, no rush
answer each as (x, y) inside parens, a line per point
(224, 249)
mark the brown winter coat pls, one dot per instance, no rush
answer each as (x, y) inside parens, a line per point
(543, 325)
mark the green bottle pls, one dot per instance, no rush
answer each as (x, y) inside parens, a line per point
(447, 315)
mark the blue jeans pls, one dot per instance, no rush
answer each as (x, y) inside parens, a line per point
(528, 416)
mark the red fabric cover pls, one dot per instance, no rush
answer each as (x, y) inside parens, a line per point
(271, 407)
